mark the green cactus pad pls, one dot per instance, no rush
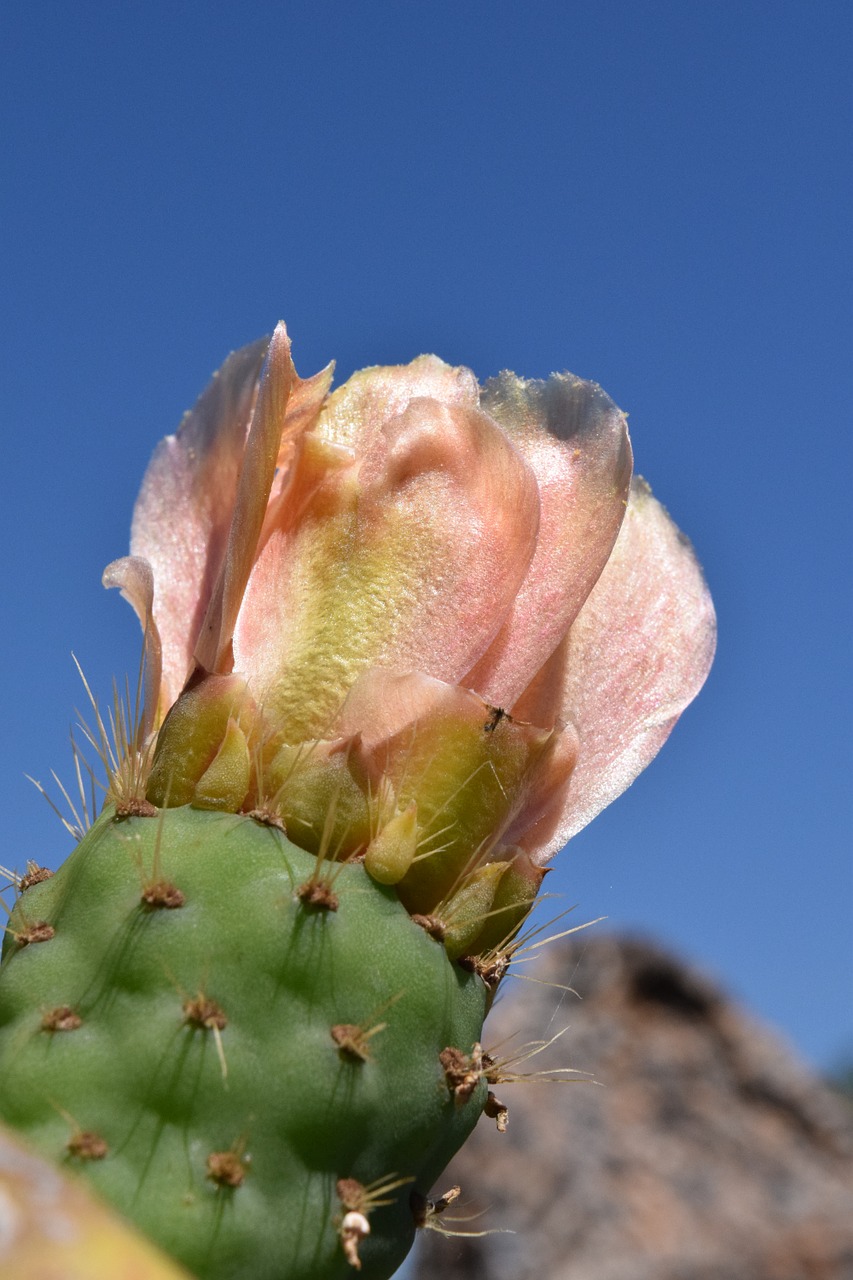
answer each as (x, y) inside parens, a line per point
(216, 1028)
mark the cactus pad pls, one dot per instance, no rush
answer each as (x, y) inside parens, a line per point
(241, 1046)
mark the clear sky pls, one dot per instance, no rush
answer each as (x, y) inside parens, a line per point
(655, 194)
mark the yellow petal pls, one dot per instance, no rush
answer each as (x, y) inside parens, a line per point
(409, 560)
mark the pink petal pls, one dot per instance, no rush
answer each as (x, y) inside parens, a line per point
(355, 414)
(307, 396)
(203, 500)
(134, 578)
(536, 820)
(257, 473)
(409, 560)
(183, 513)
(636, 656)
(576, 442)
(381, 704)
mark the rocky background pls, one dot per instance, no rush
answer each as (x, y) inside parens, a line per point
(702, 1151)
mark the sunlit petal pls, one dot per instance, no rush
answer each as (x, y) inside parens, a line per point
(409, 560)
(637, 654)
(576, 442)
(257, 472)
(134, 578)
(355, 414)
(183, 513)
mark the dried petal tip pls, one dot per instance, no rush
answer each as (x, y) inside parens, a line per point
(497, 1111)
(135, 579)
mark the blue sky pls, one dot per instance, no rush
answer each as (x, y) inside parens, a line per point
(655, 195)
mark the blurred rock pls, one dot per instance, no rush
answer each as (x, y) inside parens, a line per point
(706, 1152)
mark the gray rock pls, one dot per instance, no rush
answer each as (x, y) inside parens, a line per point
(703, 1151)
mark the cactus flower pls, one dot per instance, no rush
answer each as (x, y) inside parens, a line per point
(401, 641)
(444, 614)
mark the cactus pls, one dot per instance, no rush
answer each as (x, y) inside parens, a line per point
(401, 641)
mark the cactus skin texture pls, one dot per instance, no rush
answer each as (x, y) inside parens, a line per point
(210, 1058)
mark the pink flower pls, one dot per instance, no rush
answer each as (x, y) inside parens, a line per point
(445, 611)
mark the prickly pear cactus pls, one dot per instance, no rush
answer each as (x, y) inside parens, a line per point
(401, 642)
(242, 1048)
